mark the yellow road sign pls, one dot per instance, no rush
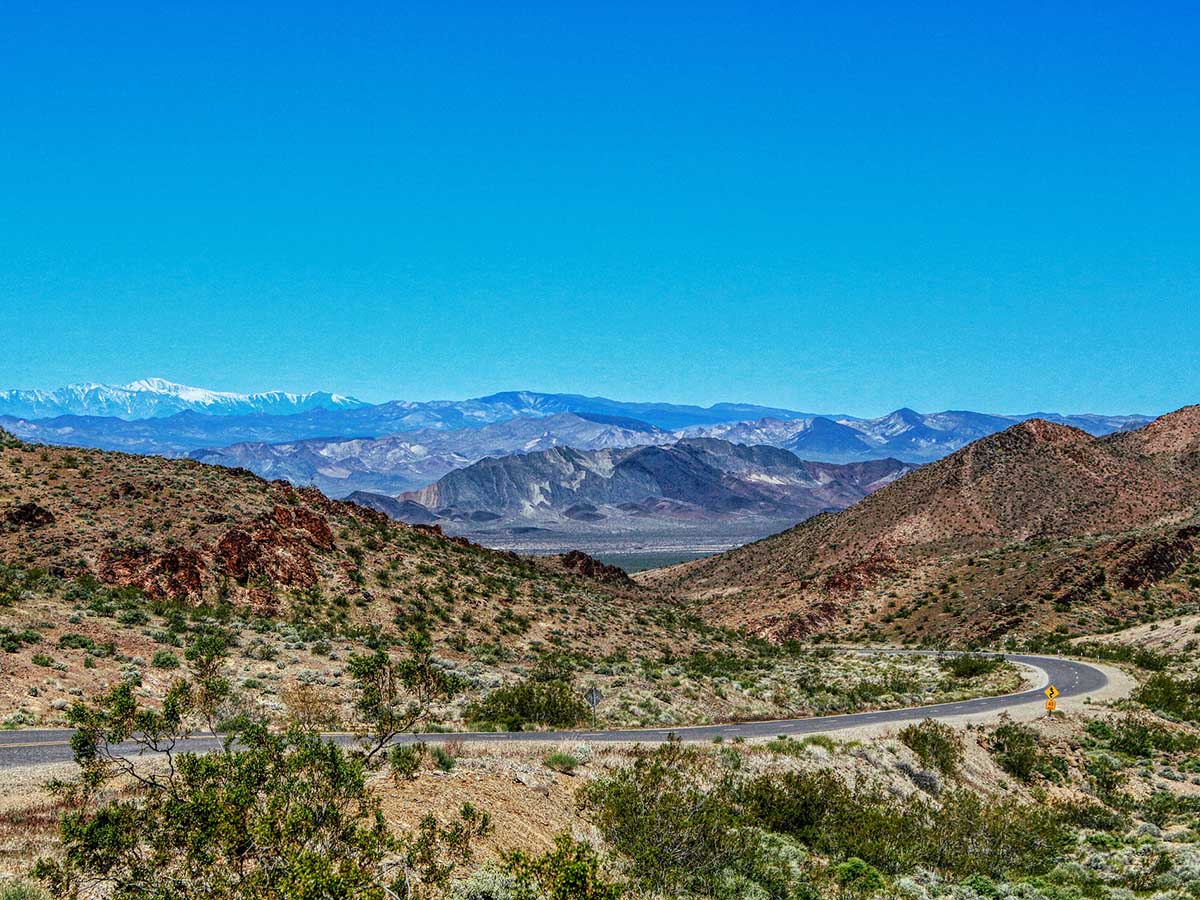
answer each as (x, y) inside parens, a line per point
(1051, 706)
(1051, 692)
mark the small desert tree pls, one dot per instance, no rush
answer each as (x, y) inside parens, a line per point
(397, 695)
(276, 816)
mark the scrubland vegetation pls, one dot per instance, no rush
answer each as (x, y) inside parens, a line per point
(1102, 806)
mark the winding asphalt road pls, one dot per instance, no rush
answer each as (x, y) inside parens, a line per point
(1073, 679)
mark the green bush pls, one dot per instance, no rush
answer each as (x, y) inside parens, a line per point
(165, 659)
(858, 877)
(561, 762)
(1178, 698)
(690, 823)
(226, 824)
(671, 815)
(1092, 815)
(1141, 736)
(960, 835)
(22, 890)
(571, 871)
(405, 760)
(1107, 776)
(73, 641)
(553, 704)
(11, 641)
(935, 744)
(1015, 749)
(442, 758)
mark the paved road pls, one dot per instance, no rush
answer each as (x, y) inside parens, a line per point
(1073, 679)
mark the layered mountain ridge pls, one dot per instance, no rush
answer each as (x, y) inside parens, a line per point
(701, 485)
(410, 460)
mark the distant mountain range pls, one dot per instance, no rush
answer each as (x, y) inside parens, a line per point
(1035, 527)
(413, 459)
(646, 493)
(155, 397)
(157, 417)
(903, 434)
(378, 452)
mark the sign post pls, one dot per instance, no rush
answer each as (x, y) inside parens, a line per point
(593, 697)
(1051, 697)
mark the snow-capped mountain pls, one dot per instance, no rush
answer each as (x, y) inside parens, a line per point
(150, 398)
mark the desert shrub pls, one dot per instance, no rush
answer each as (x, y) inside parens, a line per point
(442, 758)
(530, 702)
(310, 706)
(217, 825)
(1175, 697)
(12, 640)
(571, 871)
(18, 583)
(1106, 775)
(961, 835)
(785, 745)
(74, 641)
(935, 744)
(1092, 815)
(671, 814)
(1015, 749)
(165, 659)
(226, 824)
(1141, 736)
(405, 760)
(561, 762)
(433, 852)
(396, 695)
(858, 877)
(1163, 808)
(1142, 657)
(485, 884)
(969, 665)
(22, 890)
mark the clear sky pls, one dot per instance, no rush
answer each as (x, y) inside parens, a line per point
(832, 207)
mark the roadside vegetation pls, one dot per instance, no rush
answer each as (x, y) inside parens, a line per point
(1094, 808)
(62, 638)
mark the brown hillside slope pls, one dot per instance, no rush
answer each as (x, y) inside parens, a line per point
(182, 531)
(1071, 521)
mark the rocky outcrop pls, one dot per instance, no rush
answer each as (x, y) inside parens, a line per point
(175, 574)
(28, 516)
(1147, 562)
(265, 554)
(579, 563)
(314, 527)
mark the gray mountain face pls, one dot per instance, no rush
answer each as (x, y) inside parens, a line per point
(619, 494)
(402, 462)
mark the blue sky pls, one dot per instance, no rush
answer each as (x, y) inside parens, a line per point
(832, 207)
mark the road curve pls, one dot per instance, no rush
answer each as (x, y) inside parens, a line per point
(1072, 678)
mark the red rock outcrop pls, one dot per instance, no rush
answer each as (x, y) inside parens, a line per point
(174, 574)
